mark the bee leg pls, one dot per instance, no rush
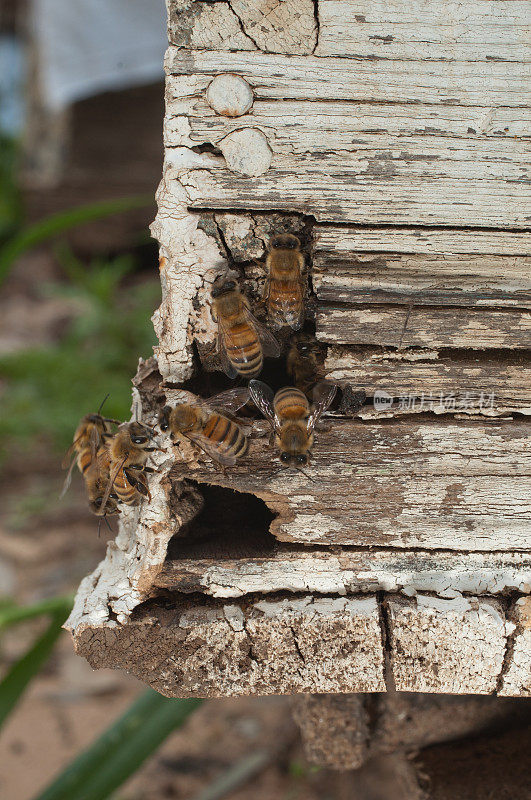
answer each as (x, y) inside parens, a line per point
(148, 469)
(150, 449)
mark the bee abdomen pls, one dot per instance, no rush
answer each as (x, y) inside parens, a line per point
(291, 403)
(226, 435)
(244, 350)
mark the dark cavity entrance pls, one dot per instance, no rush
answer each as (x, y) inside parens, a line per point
(231, 525)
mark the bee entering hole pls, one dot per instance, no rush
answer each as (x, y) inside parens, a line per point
(230, 525)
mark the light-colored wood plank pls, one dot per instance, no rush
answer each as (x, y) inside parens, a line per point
(346, 571)
(319, 126)
(426, 380)
(458, 486)
(283, 77)
(422, 279)
(373, 186)
(424, 327)
(474, 30)
(447, 646)
(441, 242)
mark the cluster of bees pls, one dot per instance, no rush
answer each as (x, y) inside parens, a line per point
(114, 464)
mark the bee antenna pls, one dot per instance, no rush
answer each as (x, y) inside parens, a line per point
(306, 474)
(99, 527)
(103, 402)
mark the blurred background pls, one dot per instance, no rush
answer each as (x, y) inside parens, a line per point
(81, 109)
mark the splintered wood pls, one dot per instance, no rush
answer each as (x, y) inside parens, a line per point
(394, 143)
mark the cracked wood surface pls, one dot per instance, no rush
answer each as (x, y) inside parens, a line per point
(365, 117)
(455, 486)
(284, 646)
(217, 569)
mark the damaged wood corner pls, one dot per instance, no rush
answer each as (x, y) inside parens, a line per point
(399, 564)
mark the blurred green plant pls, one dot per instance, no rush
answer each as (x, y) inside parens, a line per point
(123, 747)
(10, 203)
(45, 390)
(15, 682)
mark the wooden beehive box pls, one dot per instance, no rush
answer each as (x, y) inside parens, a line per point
(391, 140)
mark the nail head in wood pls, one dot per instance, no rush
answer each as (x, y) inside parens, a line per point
(229, 95)
(247, 151)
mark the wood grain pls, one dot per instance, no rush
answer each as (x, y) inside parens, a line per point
(459, 31)
(486, 382)
(419, 326)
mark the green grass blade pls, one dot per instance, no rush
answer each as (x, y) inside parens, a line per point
(121, 749)
(15, 682)
(10, 614)
(63, 221)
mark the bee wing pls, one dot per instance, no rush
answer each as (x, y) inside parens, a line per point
(108, 490)
(323, 394)
(270, 345)
(231, 400)
(226, 459)
(226, 366)
(262, 396)
(68, 479)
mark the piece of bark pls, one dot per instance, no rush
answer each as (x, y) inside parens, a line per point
(282, 646)
(516, 677)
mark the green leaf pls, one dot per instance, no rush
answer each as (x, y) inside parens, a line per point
(21, 673)
(63, 221)
(10, 613)
(120, 751)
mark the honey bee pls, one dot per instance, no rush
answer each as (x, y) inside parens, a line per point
(201, 422)
(284, 287)
(292, 418)
(303, 361)
(97, 478)
(242, 340)
(92, 431)
(129, 451)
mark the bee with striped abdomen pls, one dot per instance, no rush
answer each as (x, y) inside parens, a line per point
(202, 422)
(91, 433)
(304, 361)
(284, 287)
(129, 451)
(242, 340)
(292, 417)
(97, 478)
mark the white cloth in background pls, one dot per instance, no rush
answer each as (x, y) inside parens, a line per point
(90, 46)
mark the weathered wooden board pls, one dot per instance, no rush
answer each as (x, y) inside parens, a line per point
(306, 126)
(282, 646)
(412, 326)
(489, 383)
(316, 126)
(474, 30)
(369, 186)
(437, 644)
(341, 273)
(380, 81)
(456, 486)
(209, 569)
(427, 241)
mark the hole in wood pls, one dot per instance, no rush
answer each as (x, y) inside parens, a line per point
(231, 525)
